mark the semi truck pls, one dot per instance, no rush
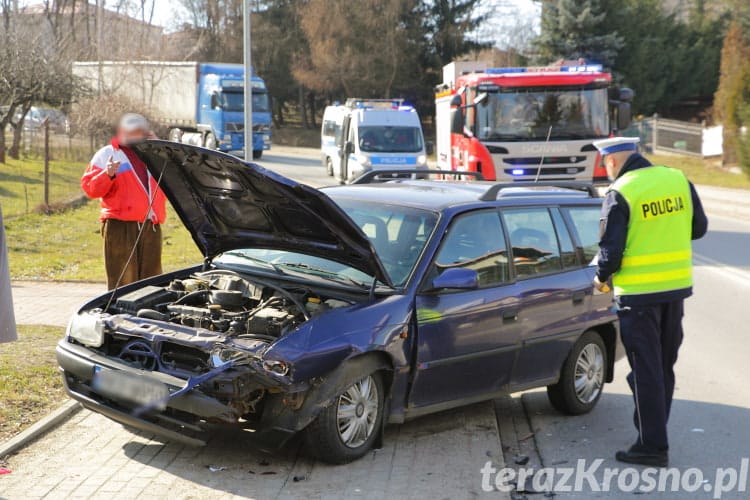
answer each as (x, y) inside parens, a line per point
(199, 103)
(527, 124)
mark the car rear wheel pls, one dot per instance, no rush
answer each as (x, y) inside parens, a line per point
(257, 153)
(348, 427)
(582, 377)
(329, 167)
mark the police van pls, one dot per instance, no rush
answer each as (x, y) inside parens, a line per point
(368, 134)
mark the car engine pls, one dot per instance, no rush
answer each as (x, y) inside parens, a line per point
(223, 301)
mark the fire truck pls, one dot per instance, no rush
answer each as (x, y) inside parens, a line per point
(527, 124)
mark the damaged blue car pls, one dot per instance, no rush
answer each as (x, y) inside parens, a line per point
(334, 312)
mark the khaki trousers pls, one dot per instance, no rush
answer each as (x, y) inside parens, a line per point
(119, 239)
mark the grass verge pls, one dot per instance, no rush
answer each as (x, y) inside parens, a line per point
(30, 385)
(22, 184)
(68, 245)
(700, 171)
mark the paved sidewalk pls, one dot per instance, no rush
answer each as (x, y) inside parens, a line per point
(436, 457)
(49, 303)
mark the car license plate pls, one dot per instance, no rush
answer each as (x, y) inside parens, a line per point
(116, 384)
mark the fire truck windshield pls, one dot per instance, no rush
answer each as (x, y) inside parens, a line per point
(526, 114)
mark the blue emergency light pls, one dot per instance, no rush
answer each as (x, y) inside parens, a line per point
(517, 171)
(500, 71)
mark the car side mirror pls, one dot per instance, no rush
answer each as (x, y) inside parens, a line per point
(456, 278)
(349, 147)
(623, 115)
(429, 147)
(457, 121)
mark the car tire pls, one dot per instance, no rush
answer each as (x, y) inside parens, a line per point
(341, 434)
(209, 142)
(582, 377)
(329, 167)
(257, 153)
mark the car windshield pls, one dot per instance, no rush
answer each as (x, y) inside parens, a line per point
(397, 233)
(532, 114)
(234, 101)
(387, 139)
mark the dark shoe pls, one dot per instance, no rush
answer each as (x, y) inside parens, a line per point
(641, 455)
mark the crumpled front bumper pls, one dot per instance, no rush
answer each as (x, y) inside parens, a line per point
(184, 424)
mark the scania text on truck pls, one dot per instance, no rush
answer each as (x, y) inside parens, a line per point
(367, 134)
(526, 124)
(200, 103)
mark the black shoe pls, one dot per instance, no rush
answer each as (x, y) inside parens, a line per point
(641, 455)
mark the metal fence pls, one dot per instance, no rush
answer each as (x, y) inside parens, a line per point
(663, 135)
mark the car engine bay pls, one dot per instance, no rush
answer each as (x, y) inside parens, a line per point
(225, 302)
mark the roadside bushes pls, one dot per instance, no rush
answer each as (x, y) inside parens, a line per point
(96, 117)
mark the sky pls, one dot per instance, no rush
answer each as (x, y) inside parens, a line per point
(510, 22)
(509, 19)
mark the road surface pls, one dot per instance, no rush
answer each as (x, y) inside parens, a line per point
(439, 456)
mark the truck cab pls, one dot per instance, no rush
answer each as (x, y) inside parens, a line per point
(220, 119)
(527, 124)
(367, 134)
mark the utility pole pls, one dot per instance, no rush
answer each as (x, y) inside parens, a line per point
(248, 126)
(99, 51)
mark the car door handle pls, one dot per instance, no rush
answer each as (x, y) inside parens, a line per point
(510, 315)
(578, 297)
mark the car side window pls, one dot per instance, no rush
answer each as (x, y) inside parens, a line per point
(586, 225)
(534, 241)
(567, 249)
(476, 241)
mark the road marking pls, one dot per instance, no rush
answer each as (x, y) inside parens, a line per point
(733, 273)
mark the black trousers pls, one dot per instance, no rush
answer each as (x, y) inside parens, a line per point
(652, 336)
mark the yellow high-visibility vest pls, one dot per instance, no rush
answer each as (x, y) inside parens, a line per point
(658, 249)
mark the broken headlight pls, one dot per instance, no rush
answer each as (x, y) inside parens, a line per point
(87, 328)
(275, 366)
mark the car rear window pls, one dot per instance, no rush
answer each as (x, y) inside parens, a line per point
(534, 241)
(586, 225)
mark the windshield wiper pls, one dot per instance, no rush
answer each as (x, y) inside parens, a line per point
(330, 274)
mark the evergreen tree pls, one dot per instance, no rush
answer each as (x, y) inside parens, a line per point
(732, 103)
(573, 29)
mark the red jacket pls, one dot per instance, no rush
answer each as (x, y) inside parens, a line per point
(123, 197)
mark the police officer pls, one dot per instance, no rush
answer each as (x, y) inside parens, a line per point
(649, 217)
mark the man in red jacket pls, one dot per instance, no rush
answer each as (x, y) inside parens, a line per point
(133, 206)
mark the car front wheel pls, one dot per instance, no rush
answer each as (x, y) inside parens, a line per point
(348, 427)
(582, 377)
(329, 167)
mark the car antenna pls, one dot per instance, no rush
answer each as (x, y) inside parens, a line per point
(137, 238)
(541, 160)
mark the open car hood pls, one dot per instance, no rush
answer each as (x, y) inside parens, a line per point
(228, 204)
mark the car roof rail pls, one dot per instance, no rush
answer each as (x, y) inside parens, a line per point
(496, 189)
(385, 175)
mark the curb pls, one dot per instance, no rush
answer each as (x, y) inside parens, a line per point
(46, 424)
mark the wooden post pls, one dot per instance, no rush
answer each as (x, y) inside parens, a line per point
(46, 163)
